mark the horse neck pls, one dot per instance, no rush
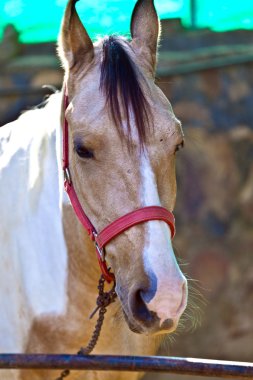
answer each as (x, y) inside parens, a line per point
(83, 269)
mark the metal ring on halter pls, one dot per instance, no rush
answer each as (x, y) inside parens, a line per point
(66, 175)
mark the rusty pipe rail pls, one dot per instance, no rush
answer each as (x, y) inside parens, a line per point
(186, 366)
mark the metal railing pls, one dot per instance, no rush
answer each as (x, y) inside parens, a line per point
(185, 366)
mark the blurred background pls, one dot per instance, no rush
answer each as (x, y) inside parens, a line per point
(206, 70)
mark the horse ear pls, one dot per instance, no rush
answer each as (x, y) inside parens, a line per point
(145, 30)
(74, 45)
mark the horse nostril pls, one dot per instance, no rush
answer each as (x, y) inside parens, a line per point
(139, 309)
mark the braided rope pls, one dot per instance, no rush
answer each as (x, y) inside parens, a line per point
(104, 299)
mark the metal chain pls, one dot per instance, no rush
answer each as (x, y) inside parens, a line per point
(104, 299)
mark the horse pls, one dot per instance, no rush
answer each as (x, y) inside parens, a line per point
(122, 142)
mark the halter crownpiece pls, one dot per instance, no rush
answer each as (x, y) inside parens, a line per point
(115, 228)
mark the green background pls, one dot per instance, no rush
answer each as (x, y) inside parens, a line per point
(39, 20)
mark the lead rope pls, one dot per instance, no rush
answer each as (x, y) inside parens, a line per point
(104, 299)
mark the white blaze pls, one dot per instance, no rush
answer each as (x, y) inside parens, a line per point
(159, 257)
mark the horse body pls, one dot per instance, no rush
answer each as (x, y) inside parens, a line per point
(117, 164)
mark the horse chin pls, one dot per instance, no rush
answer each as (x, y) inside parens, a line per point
(165, 328)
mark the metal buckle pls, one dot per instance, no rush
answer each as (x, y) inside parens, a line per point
(66, 175)
(100, 251)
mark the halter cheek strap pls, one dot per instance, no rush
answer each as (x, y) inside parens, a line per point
(115, 228)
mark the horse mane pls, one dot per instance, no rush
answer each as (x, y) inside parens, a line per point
(120, 82)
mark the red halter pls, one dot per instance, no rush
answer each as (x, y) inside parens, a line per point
(118, 226)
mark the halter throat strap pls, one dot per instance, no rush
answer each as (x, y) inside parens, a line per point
(118, 226)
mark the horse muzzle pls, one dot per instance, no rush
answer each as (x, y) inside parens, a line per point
(143, 320)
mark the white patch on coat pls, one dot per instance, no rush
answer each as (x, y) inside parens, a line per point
(159, 256)
(32, 247)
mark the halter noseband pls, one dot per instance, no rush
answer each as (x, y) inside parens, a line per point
(115, 228)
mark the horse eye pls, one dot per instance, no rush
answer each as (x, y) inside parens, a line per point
(84, 152)
(179, 146)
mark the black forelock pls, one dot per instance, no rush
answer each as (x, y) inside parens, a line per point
(120, 82)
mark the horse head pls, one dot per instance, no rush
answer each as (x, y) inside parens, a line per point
(123, 139)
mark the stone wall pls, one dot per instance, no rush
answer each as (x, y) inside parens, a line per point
(209, 79)
(24, 69)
